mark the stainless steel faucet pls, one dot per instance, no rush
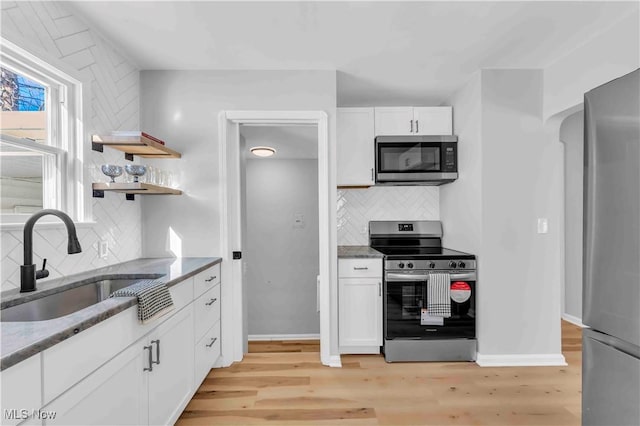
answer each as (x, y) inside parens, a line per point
(28, 272)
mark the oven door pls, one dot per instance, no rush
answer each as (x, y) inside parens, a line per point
(406, 297)
(407, 160)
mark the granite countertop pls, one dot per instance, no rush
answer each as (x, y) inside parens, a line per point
(359, 252)
(20, 340)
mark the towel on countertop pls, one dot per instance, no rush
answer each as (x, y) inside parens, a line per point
(154, 299)
(439, 294)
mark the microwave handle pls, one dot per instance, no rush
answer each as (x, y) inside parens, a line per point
(395, 277)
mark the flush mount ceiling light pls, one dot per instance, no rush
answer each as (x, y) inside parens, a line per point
(262, 151)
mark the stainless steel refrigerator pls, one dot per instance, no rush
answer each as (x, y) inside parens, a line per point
(611, 265)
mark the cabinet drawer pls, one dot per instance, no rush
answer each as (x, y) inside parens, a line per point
(206, 280)
(207, 309)
(357, 268)
(207, 351)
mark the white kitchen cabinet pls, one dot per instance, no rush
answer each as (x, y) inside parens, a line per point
(150, 382)
(433, 120)
(355, 146)
(360, 305)
(170, 382)
(21, 390)
(116, 394)
(392, 121)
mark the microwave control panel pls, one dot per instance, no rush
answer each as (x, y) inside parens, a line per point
(449, 163)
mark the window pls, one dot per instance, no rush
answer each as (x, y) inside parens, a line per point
(40, 134)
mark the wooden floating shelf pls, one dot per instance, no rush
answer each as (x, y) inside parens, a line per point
(132, 188)
(133, 145)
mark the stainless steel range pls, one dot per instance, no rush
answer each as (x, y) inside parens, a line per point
(414, 256)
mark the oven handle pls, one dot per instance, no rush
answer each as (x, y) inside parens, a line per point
(396, 277)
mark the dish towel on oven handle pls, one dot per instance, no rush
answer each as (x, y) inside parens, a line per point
(154, 299)
(439, 294)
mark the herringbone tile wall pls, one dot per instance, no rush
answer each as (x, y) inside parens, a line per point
(356, 207)
(53, 28)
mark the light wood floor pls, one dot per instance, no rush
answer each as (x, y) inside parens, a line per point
(285, 384)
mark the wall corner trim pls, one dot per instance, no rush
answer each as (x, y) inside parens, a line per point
(520, 360)
(334, 361)
(573, 320)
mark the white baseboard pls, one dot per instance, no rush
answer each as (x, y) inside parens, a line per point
(335, 361)
(573, 320)
(266, 337)
(518, 360)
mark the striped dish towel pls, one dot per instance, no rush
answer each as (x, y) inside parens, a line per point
(154, 299)
(439, 295)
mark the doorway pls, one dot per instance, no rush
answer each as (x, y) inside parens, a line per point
(280, 235)
(234, 314)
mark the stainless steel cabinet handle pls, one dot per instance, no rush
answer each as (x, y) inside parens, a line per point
(211, 278)
(411, 131)
(379, 289)
(157, 342)
(150, 368)
(372, 173)
(358, 268)
(417, 127)
(212, 342)
(211, 302)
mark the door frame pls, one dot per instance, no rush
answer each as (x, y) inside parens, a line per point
(232, 314)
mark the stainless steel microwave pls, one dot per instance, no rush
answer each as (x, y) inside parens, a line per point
(416, 160)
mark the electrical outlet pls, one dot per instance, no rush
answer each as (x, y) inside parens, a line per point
(103, 249)
(543, 225)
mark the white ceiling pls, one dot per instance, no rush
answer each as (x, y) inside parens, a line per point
(290, 142)
(386, 53)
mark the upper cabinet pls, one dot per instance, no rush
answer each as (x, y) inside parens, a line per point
(394, 121)
(355, 155)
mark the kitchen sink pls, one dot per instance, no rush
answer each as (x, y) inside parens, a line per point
(68, 301)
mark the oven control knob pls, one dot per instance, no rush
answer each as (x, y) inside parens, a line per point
(400, 265)
(452, 264)
(409, 265)
(461, 264)
(432, 265)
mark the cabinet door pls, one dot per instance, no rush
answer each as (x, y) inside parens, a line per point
(355, 155)
(171, 381)
(394, 121)
(433, 120)
(115, 394)
(360, 310)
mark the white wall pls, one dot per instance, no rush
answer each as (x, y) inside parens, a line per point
(356, 207)
(182, 108)
(520, 269)
(460, 201)
(282, 258)
(53, 32)
(572, 135)
(511, 171)
(610, 54)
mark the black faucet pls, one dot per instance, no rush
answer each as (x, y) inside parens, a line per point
(28, 273)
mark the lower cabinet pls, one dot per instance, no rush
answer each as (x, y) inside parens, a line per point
(116, 394)
(360, 305)
(150, 382)
(170, 381)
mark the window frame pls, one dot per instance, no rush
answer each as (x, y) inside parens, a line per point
(67, 103)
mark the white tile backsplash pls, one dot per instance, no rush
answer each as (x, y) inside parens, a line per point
(54, 29)
(356, 207)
